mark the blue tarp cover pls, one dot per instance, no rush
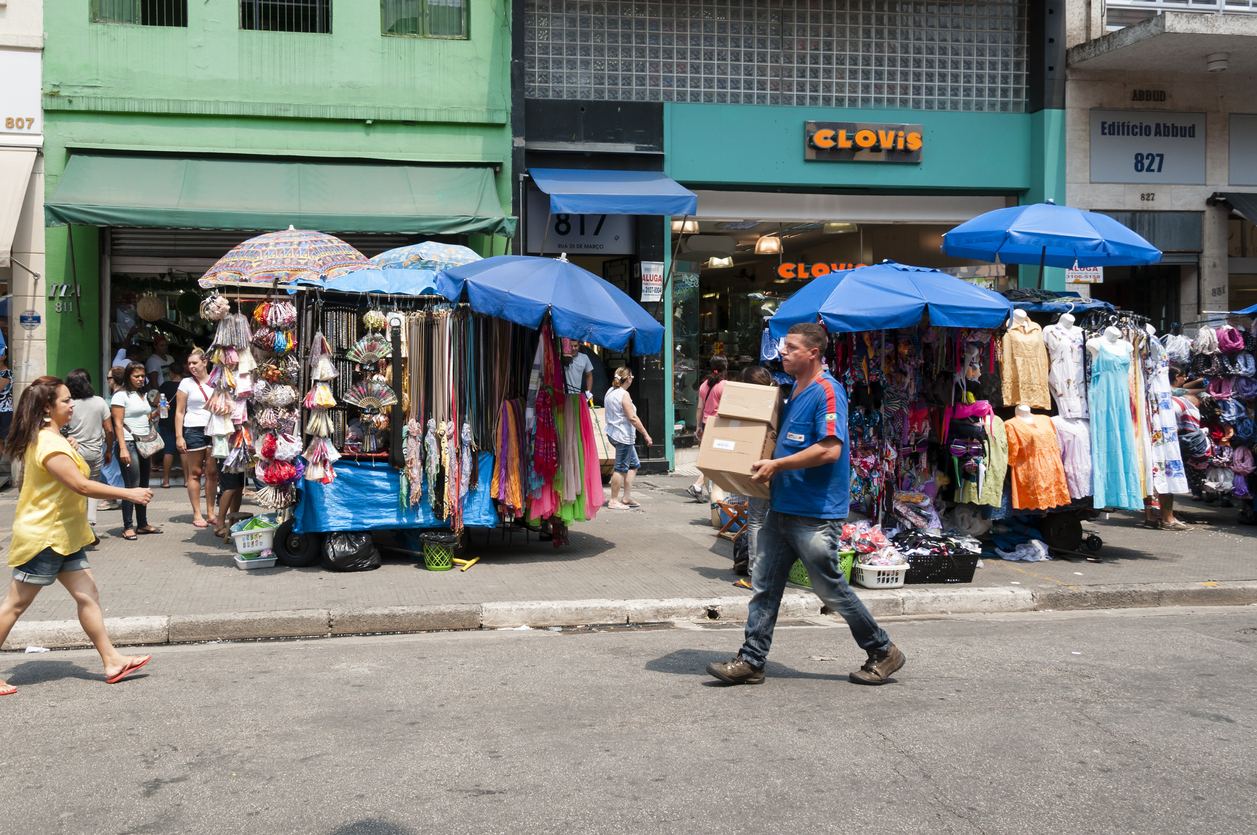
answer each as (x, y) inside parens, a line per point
(579, 192)
(890, 295)
(582, 306)
(364, 497)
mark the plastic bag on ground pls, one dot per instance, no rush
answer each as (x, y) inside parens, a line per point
(350, 551)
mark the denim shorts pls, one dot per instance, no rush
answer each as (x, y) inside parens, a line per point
(168, 437)
(43, 568)
(195, 438)
(230, 481)
(626, 458)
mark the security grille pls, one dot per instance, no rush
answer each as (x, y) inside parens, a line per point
(943, 55)
(424, 18)
(309, 16)
(141, 12)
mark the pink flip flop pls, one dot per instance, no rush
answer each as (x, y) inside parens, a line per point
(132, 665)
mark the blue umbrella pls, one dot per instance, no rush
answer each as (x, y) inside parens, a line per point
(582, 306)
(428, 255)
(890, 295)
(1051, 235)
(390, 282)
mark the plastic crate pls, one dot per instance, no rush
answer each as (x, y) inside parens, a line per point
(880, 576)
(942, 568)
(253, 542)
(256, 562)
(798, 574)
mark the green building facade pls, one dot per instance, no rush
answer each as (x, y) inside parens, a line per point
(350, 83)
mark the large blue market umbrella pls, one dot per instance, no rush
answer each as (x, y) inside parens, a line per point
(427, 255)
(1049, 235)
(890, 295)
(582, 306)
(393, 282)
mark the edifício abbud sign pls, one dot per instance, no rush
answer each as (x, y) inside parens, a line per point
(1129, 146)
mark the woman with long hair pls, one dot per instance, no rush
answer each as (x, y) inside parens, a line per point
(132, 417)
(191, 418)
(50, 527)
(623, 424)
(91, 427)
(708, 402)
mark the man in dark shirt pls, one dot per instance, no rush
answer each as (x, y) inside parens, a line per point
(810, 486)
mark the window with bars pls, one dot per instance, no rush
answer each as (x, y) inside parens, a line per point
(308, 16)
(939, 55)
(424, 18)
(141, 12)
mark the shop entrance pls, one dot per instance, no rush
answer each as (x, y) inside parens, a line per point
(731, 275)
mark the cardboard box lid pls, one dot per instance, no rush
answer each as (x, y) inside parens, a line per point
(745, 401)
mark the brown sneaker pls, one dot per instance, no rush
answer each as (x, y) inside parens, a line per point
(879, 668)
(737, 671)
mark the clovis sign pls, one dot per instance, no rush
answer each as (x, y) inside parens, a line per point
(863, 142)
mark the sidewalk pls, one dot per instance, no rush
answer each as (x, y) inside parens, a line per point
(660, 563)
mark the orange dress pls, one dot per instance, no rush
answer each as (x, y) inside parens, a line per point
(1034, 458)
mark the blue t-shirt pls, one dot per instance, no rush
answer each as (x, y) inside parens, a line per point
(809, 417)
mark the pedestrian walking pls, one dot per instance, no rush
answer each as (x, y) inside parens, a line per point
(191, 418)
(709, 394)
(809, 477)
(91, 427)
(111, 472)
(623, 424)
(166, 423)
(50, 528)
(132, 419)
(756, 508)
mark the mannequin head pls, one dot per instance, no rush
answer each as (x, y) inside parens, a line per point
(1066, 320)
(1112, 334)
(1023, 412)
(1019, 316)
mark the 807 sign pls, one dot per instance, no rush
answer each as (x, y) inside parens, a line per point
(19, 122)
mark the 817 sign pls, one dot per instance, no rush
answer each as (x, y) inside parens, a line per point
(576, 234)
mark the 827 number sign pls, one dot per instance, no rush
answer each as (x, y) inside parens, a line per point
(1149, 163)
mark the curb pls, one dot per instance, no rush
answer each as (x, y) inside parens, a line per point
(795, 605)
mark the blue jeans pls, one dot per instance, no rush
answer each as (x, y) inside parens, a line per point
(782, 540)
(756, 513)
(135, 475)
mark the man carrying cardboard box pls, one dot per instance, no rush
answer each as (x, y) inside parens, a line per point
(810, 478)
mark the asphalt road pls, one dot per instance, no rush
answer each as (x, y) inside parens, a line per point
(1134, 721)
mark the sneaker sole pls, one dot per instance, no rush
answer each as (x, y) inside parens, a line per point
(711, 670)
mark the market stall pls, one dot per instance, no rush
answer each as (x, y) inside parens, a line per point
(365, 401)
(968, 416)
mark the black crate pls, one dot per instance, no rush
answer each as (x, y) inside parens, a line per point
(942, 568)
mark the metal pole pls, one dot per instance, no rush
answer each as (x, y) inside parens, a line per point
(1042, 258)
(672, 265)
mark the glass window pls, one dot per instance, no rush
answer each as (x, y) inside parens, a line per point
(310, 16)
(802, 53)
(424, 18)
(141, 12)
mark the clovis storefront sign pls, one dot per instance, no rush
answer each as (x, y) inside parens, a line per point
(863, 142)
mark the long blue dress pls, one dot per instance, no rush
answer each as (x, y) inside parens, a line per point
(1115, 463)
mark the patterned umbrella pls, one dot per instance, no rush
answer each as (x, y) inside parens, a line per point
(289, 256)
(428, 255)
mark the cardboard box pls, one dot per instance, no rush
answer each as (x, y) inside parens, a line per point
(743, 401)
(730, 447)
(606, 450)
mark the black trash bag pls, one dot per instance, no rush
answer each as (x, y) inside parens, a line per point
(350, 551)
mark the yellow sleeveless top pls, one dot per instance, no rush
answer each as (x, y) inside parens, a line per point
(49, 514)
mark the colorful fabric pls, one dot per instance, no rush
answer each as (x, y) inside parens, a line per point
(1034, 458)
(289, 256)
(1026, 367)
(1115, 466)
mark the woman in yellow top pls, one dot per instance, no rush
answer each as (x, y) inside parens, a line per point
(50, 526)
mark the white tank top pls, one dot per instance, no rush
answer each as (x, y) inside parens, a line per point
(619, 430)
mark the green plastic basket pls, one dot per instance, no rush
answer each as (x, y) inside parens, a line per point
(438, 557)
(798, 574)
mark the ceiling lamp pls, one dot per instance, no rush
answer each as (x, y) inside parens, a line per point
(839, 228)
(719, 262)
(768, 245)
(1217, 61)
(685, 227)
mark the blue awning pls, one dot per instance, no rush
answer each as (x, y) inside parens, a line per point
(577, 192)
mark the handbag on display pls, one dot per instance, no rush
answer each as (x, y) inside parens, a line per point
(150, 443)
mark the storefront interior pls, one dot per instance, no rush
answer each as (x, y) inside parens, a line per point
(731, 275)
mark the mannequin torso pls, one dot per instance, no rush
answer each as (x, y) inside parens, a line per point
(1023, 413)
(1110, 341)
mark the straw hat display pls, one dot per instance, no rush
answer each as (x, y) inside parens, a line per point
(150, 308)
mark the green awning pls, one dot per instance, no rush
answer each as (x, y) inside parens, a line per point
(224, 193)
